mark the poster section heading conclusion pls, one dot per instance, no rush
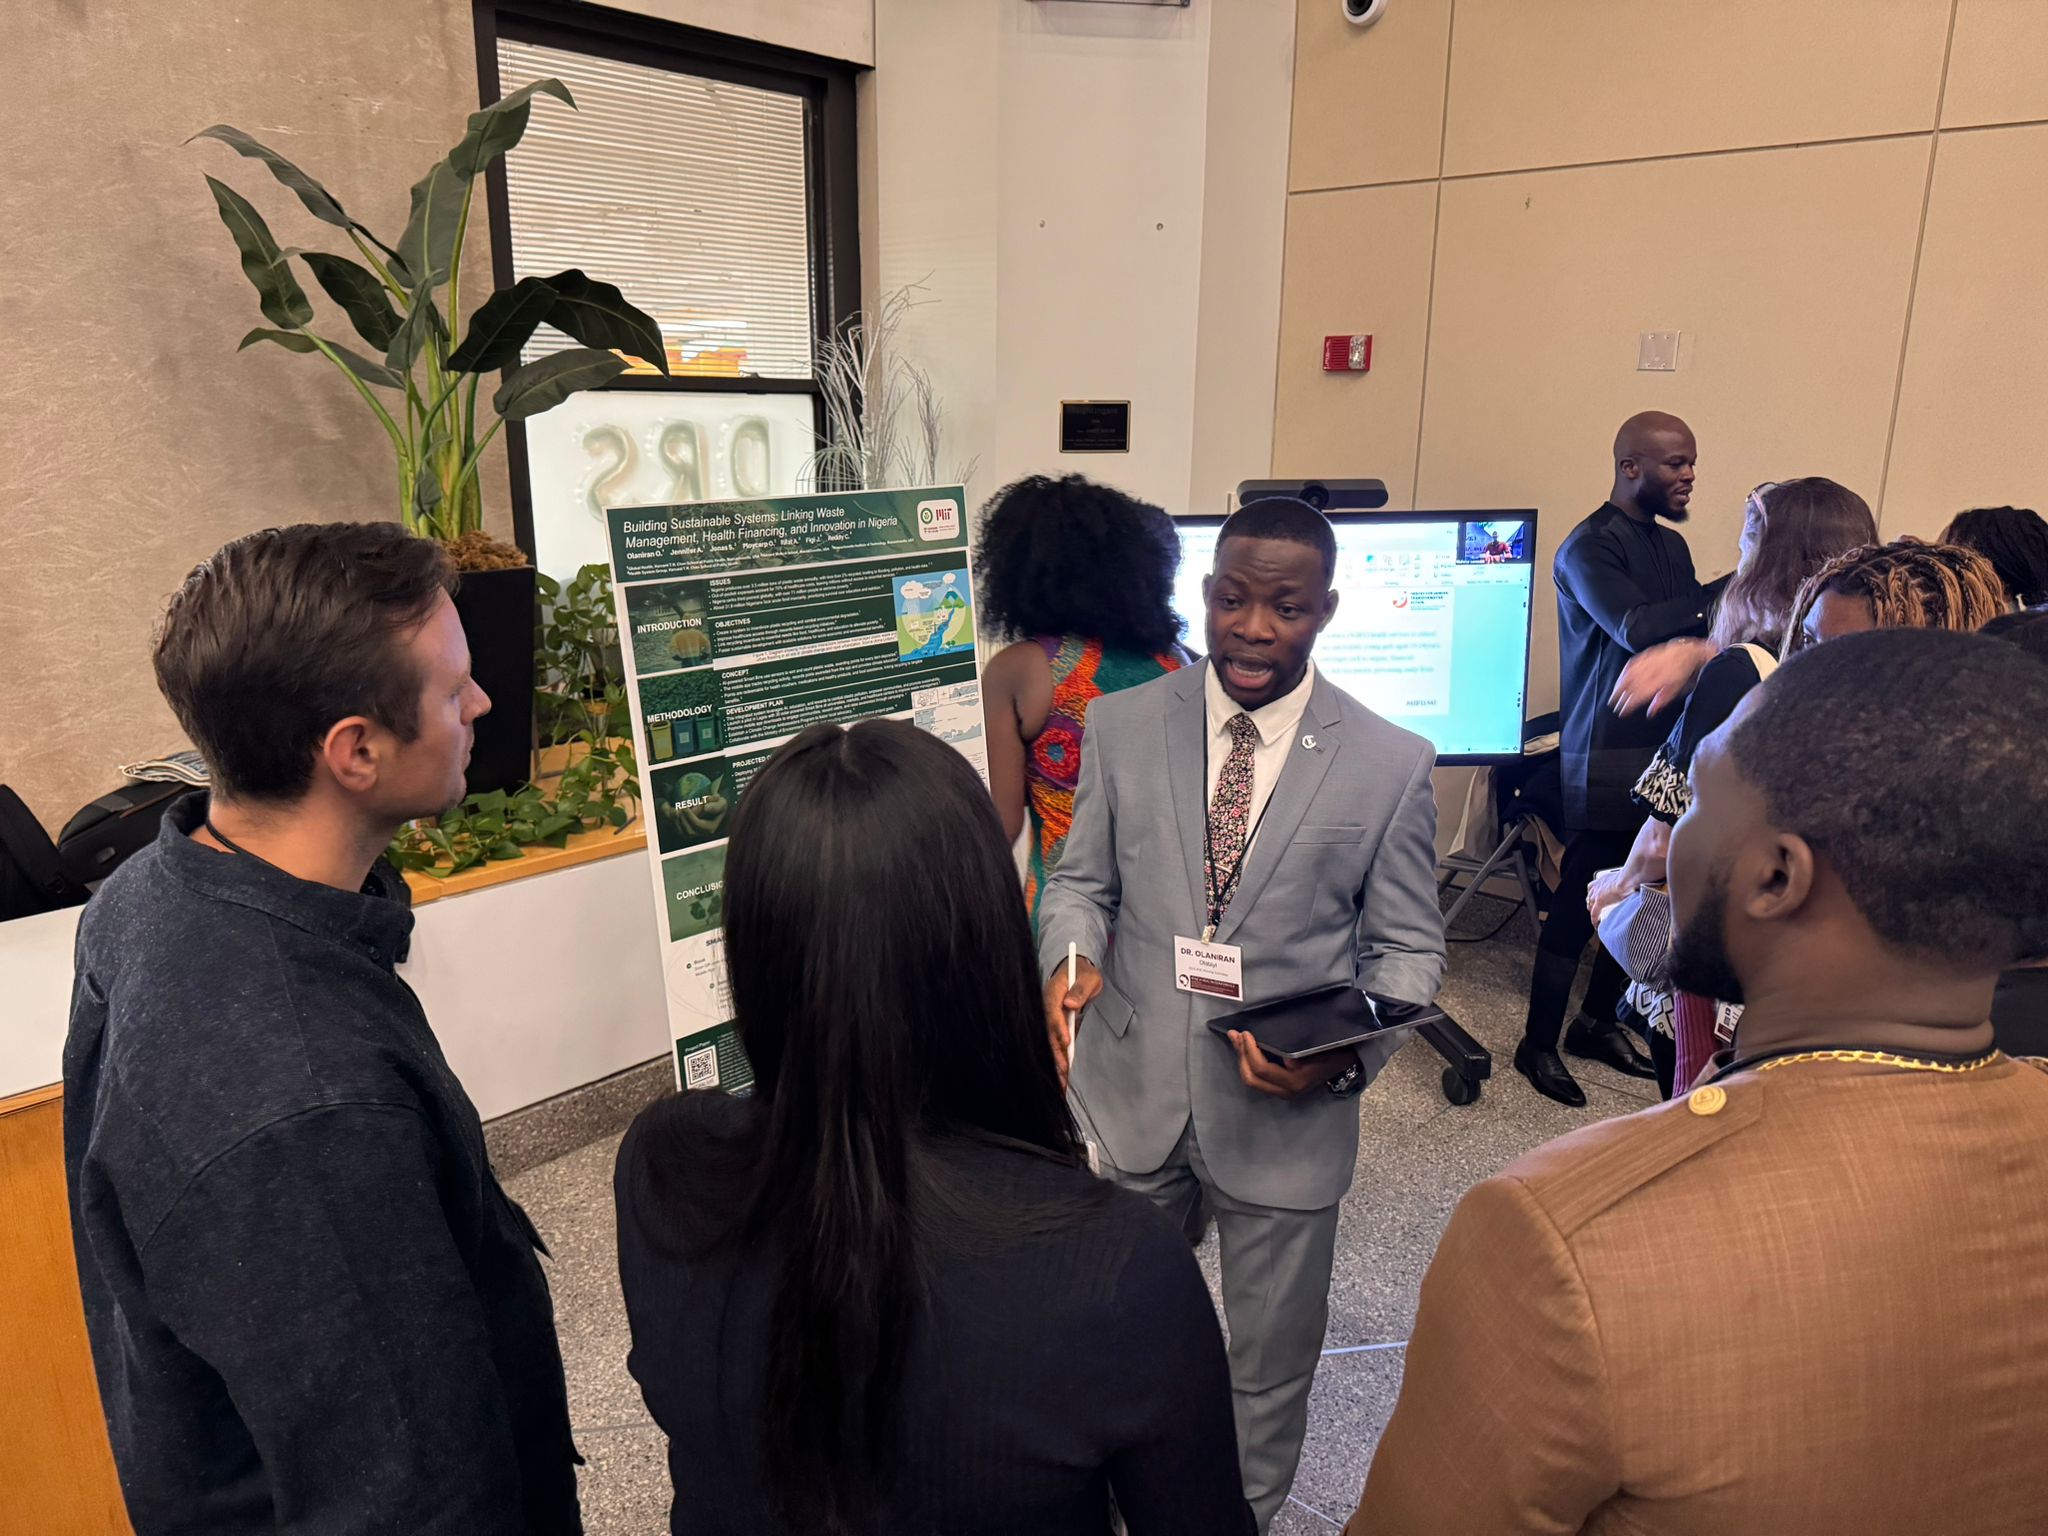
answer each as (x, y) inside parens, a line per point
(743, 622)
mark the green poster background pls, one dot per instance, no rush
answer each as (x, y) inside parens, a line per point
(692, 803)
(694, 621)
(713, 1058)
(862, 599)
(689, 713)
(694, 884)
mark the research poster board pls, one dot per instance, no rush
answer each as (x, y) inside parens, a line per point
(743, 622)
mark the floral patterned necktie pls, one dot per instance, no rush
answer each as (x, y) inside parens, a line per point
(1229, 822)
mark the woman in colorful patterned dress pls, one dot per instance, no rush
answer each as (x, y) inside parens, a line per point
(1080, 576)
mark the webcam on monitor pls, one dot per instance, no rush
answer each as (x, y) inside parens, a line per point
(1323, 495)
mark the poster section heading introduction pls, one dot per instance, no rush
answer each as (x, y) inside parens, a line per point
(743, 622)
(1432, 622)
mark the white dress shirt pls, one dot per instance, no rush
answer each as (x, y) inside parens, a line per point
(1277, 725)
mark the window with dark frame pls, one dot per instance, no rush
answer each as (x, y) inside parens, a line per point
(712, 180)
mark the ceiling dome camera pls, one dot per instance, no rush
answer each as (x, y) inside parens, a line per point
(1362, 13)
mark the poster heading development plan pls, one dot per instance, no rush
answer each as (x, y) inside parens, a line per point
(743, 622)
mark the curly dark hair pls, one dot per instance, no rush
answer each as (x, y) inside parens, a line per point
(2014, 540)
(1908, 584)
(1070, 557)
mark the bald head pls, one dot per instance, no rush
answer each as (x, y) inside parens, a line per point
(1654, 454)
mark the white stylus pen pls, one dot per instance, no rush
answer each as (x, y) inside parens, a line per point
(1073, 1020)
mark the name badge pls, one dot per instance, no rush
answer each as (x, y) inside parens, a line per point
(1209, 970)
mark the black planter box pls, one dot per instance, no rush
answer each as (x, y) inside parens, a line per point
(499, 610)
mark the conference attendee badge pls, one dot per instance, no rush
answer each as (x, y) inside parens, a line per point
(1209, 969)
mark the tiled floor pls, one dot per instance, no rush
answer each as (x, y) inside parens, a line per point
(1417, 1155)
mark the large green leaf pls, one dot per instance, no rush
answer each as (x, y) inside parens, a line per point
(369, 372)
(283, 300)
(291, 341)
(420, 322)
(546, 384)
(299, 341)
(598, 315)
(356, 289)
(429, 239)
(502, 325)
(500, 126)
(318, 200)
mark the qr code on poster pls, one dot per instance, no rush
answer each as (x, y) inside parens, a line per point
(700, 1068)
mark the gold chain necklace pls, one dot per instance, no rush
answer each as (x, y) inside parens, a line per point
(1884, 1059)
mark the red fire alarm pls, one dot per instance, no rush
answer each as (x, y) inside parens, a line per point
(1347, 354)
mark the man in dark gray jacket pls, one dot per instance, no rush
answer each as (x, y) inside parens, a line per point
(312, 1308)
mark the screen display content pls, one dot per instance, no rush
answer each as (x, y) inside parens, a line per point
(1432, 625)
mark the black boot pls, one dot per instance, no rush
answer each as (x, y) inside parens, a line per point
(1608, 1043)
(1547, 1075)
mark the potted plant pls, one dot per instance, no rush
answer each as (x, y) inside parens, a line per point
(422, 383)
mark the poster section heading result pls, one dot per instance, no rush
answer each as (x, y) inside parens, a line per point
(743, 622)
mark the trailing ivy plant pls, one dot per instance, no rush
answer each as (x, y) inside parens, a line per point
(418, 380)
(577, 663)
(580, 706)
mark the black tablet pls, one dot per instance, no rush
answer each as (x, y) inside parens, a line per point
(1327, 1019)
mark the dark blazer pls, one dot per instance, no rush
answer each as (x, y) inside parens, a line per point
(1054, 1359)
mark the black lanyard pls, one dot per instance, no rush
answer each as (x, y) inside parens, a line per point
(1219, 895)
(234, 847)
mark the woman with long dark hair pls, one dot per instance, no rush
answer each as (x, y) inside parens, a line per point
(1080, 577)
(883, 1294)
(2015, 541)
(1789, 531)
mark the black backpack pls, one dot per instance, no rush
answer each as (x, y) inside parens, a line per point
(32, 876)
(122, 822)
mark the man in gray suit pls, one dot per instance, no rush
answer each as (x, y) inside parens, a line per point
(1288, 844)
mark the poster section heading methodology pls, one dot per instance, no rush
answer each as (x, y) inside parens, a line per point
(743, 622)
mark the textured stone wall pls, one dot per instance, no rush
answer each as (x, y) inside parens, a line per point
(134, 440)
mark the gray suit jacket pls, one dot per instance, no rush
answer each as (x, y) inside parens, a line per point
(1340, 886)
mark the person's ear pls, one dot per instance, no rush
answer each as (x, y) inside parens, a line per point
(1207, 583)
(1782, 880)
(350, 753)
(1329, 612)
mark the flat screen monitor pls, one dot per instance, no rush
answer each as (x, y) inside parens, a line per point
(1432, 625)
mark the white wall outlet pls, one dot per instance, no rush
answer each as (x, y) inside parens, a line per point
(1657, 352)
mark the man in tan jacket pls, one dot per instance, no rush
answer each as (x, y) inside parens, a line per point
(1811, 1297)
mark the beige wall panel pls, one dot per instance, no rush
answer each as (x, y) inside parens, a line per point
(1356, 261)
(1368, 101)
(1570, 81)
(1971, 414)
(1244, 218)
(1998, 65)
(1789, 285)
(139, 440)
(839, 29)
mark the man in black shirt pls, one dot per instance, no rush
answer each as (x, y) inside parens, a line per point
(311, 1307)
(1623, 583)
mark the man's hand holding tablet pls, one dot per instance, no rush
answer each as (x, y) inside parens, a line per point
(1282, 1079)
